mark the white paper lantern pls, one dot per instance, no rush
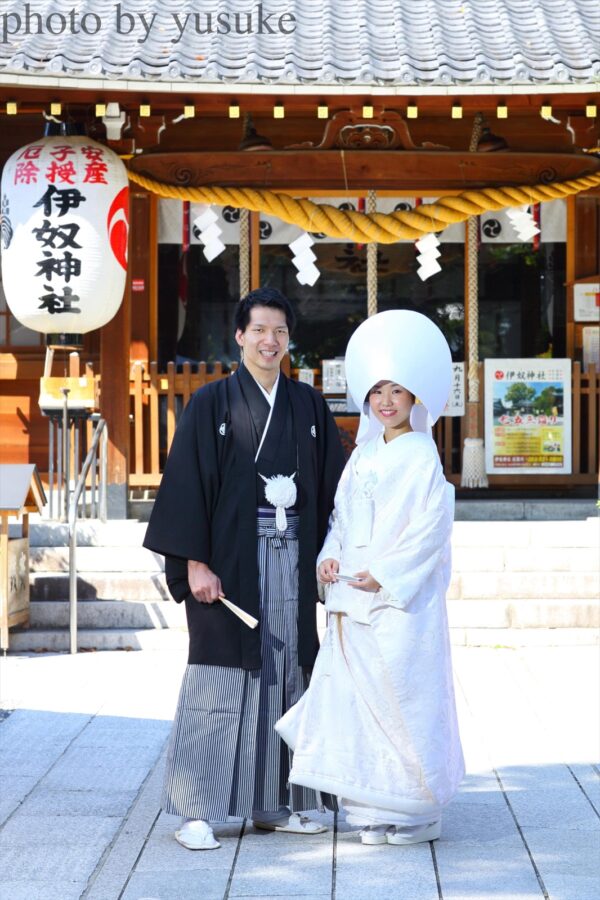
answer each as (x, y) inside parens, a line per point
(65, 222)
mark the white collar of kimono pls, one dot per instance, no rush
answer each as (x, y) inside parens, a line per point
(271, 401)
(375, 456)
(270, 397)
(404, 347)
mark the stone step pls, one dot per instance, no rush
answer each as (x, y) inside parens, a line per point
(96, 559)
(524, 613)
(484, 510)
(465, 585)
(486, 585)
(90, 533)
(108, 614)
(524, 637)
(55, 640)
(466, 557)
(525, 559)
(100, 586)
(528, 534)
(583, 531)
(530, 510)
(519, 613)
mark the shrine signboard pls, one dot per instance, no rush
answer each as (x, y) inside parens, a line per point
(528, 416)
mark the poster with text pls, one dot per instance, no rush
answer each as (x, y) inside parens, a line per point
(528, 416)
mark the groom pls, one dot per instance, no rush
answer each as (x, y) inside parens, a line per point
(221, 536)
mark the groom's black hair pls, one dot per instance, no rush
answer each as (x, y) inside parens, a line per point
(270, 297)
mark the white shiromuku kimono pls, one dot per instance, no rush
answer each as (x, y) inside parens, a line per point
(378, 724)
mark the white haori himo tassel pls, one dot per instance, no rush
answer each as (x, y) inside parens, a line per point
(473, 467)
(280, 491)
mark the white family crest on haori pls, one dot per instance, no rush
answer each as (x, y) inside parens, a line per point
(280, 491)
(65, 222)
(404, 347)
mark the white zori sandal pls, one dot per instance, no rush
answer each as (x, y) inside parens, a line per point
(392, 834)
(292, 824)
(196, 834)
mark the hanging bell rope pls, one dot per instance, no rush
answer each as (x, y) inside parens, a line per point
(473, 474)
(244, 252)
(472, 237)
(363, 228)
(371, 207)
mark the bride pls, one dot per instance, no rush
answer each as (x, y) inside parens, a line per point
(377, 726)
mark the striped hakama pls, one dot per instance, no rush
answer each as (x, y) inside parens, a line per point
(224, 757)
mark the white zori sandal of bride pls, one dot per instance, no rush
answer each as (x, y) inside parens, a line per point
(390, 834)
(292, 824)
(196, 834)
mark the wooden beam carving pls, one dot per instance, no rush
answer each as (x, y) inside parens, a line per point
(348, 131)
(308, 171)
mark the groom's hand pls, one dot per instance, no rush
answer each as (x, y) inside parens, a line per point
(204, 584)
(328, 570)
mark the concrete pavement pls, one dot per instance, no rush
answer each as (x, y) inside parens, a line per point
(82, 750)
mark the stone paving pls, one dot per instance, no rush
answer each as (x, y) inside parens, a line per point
(82, 751)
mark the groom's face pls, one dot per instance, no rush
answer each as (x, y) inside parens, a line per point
(265, 339)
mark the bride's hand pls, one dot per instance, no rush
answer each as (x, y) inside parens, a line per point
(328, 570)
(366, 583)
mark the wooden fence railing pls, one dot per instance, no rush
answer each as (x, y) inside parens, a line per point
(158, 398)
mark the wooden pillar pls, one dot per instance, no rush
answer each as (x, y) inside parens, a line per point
(143, 269)
(114, 400)
(583, 258)
(153, 277)
(570, 275)
(131, 335)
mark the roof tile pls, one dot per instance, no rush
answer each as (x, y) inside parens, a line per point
(370, 42)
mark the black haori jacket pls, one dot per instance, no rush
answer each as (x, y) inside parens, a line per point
(205, 510)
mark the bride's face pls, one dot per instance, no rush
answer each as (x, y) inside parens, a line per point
(391, 404)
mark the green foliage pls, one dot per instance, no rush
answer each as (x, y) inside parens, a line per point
(547, 400)
(519, 393)
(506, 253)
